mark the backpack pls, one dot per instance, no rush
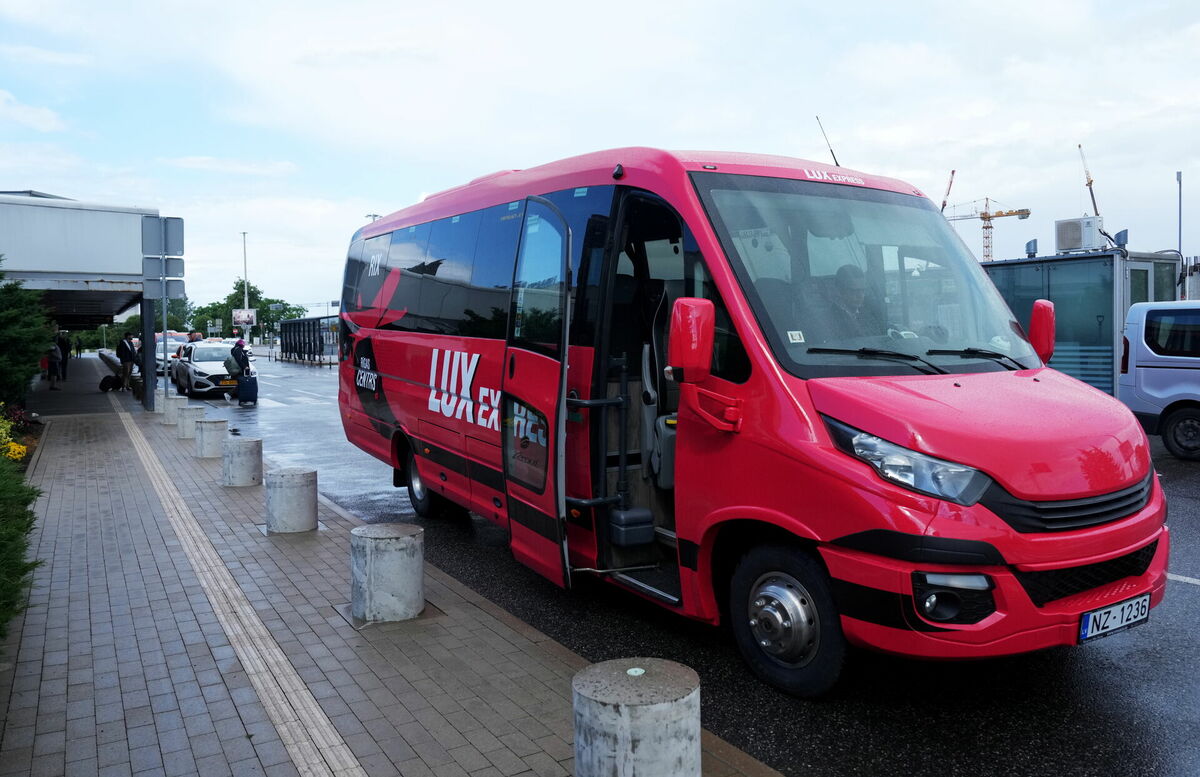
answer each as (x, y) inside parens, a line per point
(232, 367)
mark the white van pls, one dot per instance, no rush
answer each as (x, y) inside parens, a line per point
(1160, 372)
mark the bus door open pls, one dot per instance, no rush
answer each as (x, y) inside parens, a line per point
(534, 392)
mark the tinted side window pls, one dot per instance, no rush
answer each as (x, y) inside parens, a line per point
(447, 271)
(486, 312)
(406, 256)
(374, 270)
(587, 210)
(1173, 332)
(354, 268)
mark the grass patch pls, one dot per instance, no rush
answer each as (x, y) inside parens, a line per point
(16, 522)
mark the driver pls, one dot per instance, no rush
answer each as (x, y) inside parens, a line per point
(851, 314)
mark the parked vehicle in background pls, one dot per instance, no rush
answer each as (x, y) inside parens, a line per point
(201, 370)
(174, 341)
(754, 390)
(1160, 372)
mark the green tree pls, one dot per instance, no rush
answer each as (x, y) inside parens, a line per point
(26, 334)
(268, 319)
(180, 313)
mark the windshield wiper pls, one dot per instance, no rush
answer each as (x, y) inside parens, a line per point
(982, 353)
(882, 353)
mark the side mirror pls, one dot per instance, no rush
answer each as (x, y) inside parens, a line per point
(1041, 329)
(690, 347)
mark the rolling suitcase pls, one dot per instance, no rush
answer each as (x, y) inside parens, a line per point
(247, 388)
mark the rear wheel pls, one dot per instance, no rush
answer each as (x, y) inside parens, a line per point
(427, 504)
(784, 620)
(1181, 434)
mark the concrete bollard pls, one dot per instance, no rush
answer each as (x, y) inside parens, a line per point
(185, 428)
(637, 717)
(172, 408)
(291, 500)
(387, 572)
(241, 461)
(209, 436)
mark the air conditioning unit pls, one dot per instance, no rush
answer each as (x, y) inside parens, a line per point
(1079, 234)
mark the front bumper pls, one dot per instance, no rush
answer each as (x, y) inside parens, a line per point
(875, 597)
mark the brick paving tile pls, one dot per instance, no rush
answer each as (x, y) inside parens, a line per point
(121, 664)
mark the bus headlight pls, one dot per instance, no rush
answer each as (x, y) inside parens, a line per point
(915, 471)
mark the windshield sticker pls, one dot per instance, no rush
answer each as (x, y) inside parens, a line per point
(823, 175)
(795, 336)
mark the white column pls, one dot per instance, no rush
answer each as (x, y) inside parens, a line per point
(387, 571)
(291, 500)
(241, 461)
(637, 717)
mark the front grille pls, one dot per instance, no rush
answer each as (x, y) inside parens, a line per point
(1054, 584)
(1032, 517)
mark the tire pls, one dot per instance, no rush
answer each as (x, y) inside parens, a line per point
(1181, 434)
(426, 503)
(780, 595)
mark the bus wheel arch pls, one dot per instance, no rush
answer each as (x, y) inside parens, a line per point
(727, 542)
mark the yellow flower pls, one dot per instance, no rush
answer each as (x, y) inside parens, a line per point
(15, 451)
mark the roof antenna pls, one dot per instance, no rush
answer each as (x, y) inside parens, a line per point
(827, 143)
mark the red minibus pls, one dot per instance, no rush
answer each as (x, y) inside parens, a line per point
(752, 389)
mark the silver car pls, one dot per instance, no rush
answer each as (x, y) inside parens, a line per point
(201, 370)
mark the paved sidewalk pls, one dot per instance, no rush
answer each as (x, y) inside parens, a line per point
(167, 635)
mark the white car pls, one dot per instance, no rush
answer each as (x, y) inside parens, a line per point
(173, 344)
(201, 369)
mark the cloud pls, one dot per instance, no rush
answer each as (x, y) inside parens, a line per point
(40, 119)
(232, 166)
(34, 55)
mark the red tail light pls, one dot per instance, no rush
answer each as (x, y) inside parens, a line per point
(1124, 355)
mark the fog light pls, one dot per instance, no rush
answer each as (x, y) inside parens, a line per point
(953, 597)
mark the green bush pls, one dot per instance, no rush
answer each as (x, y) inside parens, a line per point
(16, 522)
(26, 333)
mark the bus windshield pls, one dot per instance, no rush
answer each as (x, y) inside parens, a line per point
(852, 281)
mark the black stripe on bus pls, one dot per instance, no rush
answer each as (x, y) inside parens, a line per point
(485, 475)
(532, 519)
(689, 554)
(873, 605)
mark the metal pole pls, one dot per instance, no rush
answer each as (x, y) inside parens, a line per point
(163, 266)
(1179, 180)
(245, 285)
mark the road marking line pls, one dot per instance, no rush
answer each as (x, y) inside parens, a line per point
(315, 747)
(1183, 579)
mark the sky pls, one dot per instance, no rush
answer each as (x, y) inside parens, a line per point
(293, 121)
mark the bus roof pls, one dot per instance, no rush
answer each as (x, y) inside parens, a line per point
(649, 168)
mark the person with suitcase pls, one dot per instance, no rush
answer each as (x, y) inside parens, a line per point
(247, 380)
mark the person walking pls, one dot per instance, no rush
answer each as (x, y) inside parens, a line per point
(78, 348)
(64, 349)
(247, 381)
(53, 363)
(126, 353)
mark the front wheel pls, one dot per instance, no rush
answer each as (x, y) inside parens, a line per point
(1181, 434)
(784, 620)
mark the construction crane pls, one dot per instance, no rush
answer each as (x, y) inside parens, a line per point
(988, 215)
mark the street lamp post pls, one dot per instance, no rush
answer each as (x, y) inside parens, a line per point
(1179, 180)
(245, 285)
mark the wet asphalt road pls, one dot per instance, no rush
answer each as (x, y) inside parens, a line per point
(1124, 705)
